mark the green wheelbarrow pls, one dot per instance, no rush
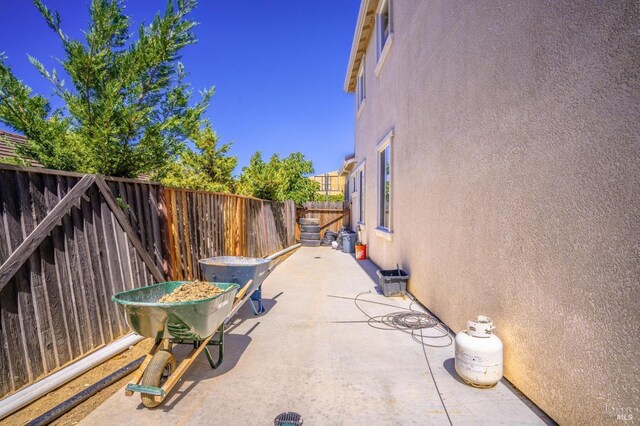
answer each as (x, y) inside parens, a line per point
(193, 323)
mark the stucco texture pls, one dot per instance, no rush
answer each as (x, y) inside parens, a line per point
(516, 185)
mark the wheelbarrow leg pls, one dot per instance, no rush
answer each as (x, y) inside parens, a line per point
(257, 307)
(137, 376)
(220, 344)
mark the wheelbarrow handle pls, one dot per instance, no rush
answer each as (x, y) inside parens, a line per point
(242, 292)
(272, 267)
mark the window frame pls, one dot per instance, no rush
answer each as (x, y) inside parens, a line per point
(360, 191)
(383, 45)
(381, 230)
(361, 88)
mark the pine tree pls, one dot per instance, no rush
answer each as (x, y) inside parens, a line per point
(208, 168)
(127, 109)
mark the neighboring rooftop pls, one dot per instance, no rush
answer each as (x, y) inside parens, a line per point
(8, 143)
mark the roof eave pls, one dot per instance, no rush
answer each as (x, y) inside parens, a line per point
(346, 166)
(366, 10)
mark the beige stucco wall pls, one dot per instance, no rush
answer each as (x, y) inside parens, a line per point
(516, 185)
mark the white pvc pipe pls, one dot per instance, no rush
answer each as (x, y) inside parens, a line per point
(32, 392)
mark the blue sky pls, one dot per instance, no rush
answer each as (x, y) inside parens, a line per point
(278, 67)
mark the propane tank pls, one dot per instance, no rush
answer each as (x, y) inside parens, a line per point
(479, 353)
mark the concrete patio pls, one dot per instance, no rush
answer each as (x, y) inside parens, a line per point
(316, 355)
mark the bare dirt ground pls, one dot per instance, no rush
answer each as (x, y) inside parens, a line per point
(66, 391)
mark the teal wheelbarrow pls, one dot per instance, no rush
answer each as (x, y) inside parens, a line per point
(193, 323)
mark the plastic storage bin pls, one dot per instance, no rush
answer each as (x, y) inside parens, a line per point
(393, 281)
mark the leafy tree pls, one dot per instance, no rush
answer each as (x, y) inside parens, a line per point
(279, 179)
(332, 197)
(207, 169)
(127, 110)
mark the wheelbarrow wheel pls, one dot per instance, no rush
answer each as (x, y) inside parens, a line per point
(161, 366)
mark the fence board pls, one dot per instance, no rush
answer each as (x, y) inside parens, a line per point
(54, 195)
(37, 331)
(101, 249)
(74, 235)
(94, 284)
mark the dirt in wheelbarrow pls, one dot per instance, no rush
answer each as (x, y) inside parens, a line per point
(191, 291)
(59, 395)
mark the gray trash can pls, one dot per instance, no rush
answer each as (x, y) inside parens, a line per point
(349, 242)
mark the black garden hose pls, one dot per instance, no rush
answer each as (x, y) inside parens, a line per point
(80, 397)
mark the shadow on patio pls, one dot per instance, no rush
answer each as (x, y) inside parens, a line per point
(316, 355)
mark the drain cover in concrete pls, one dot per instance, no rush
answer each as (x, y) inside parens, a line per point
(288, 419)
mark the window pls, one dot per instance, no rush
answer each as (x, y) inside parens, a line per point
(385, 24)
(358, 194)
(384, 32)
(327, 183)
(360, 88)
(384, 184)
(361, 191)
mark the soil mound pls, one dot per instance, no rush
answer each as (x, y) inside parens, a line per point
(191, 291)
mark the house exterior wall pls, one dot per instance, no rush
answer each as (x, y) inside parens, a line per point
(516, 185)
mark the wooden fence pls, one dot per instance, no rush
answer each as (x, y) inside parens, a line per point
(333, 215)
(69, 241)
(219, 224)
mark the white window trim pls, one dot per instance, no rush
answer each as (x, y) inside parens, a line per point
(363, 88)
(384, 233)
(355, 198)
(383, 51)
(361, 108)
(360, 168)
(381, 231)
(383, 55)
(385, 141)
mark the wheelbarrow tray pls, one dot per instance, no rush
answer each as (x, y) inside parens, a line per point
(237, 269)
(194, 320)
